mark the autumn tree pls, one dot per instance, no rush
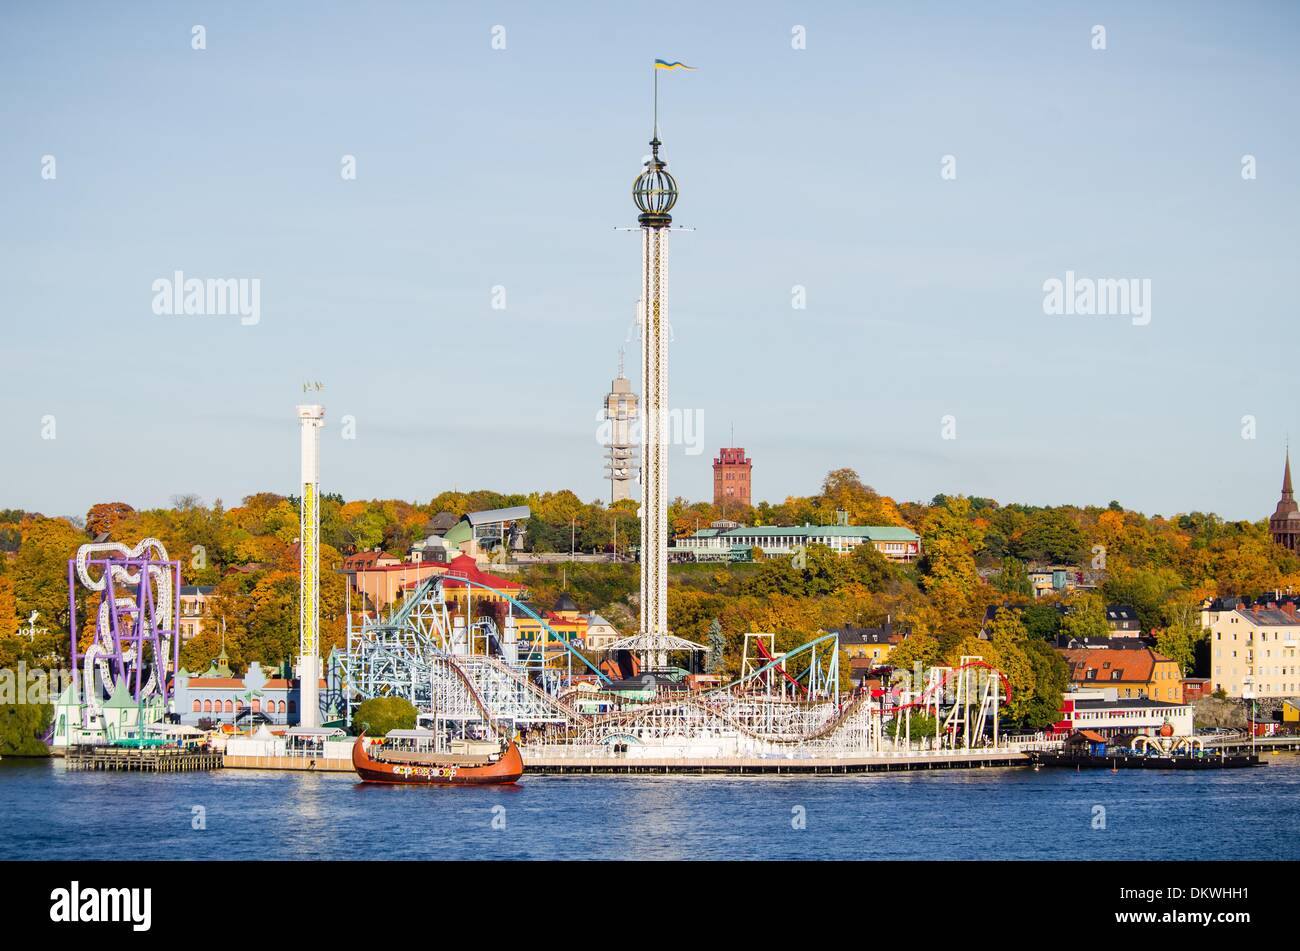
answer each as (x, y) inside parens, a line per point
(1087, 618)
(103, 517)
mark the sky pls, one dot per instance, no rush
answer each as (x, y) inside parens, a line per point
(814, 147)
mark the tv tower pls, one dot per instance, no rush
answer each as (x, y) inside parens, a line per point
(655, 193)
(620, 454)
(312, 418)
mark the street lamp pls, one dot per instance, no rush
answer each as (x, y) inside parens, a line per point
(1248, 693)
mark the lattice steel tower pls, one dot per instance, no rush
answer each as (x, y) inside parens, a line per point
(655, 194)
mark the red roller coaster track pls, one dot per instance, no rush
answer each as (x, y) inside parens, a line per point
(766, 655)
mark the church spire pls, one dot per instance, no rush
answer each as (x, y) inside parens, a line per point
(1286, 477)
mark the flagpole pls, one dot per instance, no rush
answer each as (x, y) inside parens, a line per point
(655, 70)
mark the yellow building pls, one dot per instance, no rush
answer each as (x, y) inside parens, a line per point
(871, 645)
(1132, 672)
(1254, 649)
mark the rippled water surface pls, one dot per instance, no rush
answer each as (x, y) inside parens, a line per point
(48, 812)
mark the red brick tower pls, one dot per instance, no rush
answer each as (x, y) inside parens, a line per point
(731, 478)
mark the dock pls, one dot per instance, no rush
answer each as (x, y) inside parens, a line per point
(1088, 761)
(147, 759)
(558, 763)
(308, 764)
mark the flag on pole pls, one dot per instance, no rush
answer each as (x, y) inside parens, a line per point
(664, 64)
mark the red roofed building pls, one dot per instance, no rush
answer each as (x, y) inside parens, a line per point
(1134, 672)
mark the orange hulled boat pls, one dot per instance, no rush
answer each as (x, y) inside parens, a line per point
(467, 764)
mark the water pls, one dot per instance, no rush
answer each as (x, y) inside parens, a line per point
(48, 812)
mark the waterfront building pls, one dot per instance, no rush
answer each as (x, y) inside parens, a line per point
(119, 717)
(895, 543)
(732, 479)
(1253, 647)
(619, 413)
(1133, 672)
(1284, 523)
(1110, 715)
(195, 603)
(1194, 688)
(218, 696)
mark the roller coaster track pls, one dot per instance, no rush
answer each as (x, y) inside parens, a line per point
(708, 705)
(526, 684)
(926, 697)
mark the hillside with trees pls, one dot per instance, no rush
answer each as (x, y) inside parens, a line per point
(976, 553)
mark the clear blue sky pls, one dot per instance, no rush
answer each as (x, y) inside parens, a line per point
(820, 167)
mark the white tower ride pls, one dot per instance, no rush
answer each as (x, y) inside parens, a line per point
(312, 418)
(655, 193)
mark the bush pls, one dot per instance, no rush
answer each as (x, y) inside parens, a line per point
(382, 714)
(22, 728)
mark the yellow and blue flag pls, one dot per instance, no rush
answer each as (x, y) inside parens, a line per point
(664, 64)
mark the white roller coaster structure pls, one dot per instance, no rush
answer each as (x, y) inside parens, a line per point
(442, 663)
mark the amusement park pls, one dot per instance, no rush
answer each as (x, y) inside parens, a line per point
(479, 665)
(490, 677)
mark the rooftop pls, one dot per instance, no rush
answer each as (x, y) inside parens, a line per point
(1141, 703)
(513, 514)
(875, 533)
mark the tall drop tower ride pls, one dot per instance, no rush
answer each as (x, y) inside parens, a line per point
(655, 194)
(312, 418)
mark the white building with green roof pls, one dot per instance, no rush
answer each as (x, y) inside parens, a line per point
(894, 542)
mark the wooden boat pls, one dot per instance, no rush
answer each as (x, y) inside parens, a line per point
(438, 769)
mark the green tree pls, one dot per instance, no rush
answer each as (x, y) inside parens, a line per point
(1013, 579)
(871, 569)
(922, 725)
(1042, 621)
(22, 726)
(1087, 618)
(717, 648)
(379, 715)
(1051, 536)
(1051, 680)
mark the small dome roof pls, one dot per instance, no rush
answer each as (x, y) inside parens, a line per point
(565, 603)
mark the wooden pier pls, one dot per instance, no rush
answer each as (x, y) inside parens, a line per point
(155, 759)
